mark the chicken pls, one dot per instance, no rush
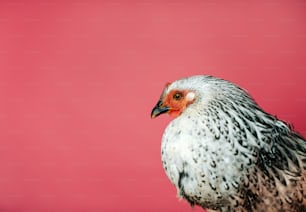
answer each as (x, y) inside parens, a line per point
(223, 152)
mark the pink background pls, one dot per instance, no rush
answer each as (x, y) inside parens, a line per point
(78, 81)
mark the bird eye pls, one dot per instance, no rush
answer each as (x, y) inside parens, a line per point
(177, 96)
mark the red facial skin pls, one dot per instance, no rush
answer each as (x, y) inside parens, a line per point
(176, 106)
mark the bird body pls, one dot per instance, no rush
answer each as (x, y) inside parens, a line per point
(223, 152)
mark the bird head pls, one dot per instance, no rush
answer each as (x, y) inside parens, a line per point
(195, 93)
(173, 101)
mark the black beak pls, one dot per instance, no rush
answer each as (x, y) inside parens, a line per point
(159, 109)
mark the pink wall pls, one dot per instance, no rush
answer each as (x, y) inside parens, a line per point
(78, 82)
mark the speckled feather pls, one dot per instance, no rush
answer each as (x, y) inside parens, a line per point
(225, 153)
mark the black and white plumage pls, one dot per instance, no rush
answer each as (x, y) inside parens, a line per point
(223, 152)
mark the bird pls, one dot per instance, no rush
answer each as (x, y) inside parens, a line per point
(223, 152)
